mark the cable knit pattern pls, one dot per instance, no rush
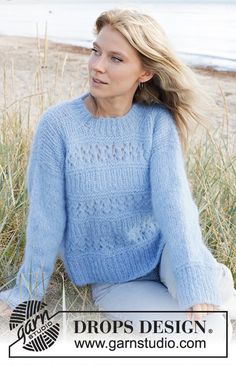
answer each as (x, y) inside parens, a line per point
(106, 194)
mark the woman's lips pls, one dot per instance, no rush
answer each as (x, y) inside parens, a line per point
(98, 82)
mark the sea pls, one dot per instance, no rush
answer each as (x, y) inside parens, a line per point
(203, 33)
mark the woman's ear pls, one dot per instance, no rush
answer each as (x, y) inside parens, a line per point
(146, 76)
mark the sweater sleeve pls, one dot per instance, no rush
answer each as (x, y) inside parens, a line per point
(46, 216)
(194, 266)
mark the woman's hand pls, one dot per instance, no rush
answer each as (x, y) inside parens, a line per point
(5, 310)
(200, 307)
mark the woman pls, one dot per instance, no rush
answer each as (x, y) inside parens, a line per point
(107, 184)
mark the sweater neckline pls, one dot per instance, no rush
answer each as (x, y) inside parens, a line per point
(117, 120)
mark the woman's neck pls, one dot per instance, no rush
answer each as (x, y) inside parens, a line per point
(106, 108)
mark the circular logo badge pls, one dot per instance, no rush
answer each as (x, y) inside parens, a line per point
(34, 325)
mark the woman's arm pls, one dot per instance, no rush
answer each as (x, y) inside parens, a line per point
(193, 265)
(46, 216)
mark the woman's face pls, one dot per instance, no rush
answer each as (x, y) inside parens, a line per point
(116, 63)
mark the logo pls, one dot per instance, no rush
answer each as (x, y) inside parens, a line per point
(34, 325)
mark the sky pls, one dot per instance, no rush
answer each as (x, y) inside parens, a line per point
(120, 1)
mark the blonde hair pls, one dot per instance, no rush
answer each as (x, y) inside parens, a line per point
(174, 84)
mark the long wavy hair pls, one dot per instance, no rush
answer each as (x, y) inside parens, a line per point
(174, 84)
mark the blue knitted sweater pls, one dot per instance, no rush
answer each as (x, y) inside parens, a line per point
(106, 194)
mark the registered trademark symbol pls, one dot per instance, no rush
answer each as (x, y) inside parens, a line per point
(210, 330)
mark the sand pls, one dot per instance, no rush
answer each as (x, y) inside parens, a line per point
(58, 71)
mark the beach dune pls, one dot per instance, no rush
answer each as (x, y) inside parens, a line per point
(30, 66)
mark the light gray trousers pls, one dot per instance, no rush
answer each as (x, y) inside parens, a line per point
(148, 293)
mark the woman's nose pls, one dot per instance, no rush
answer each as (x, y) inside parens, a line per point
(99, 64)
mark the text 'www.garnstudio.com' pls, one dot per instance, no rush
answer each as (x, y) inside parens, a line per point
(89, 334)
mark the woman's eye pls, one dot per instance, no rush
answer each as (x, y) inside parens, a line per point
(117, 59)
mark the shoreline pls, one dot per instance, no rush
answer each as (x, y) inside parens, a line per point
(86, 51)
(32, 65)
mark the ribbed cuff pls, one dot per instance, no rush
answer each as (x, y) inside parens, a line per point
(11, 297)
(15, 296)
(197, 284)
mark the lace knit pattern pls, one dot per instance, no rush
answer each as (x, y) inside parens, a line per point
(106, 194)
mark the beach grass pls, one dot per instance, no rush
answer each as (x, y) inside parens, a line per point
(210, 167)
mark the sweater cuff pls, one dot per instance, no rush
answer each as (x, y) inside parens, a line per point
(15, 296)
(197, 284)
